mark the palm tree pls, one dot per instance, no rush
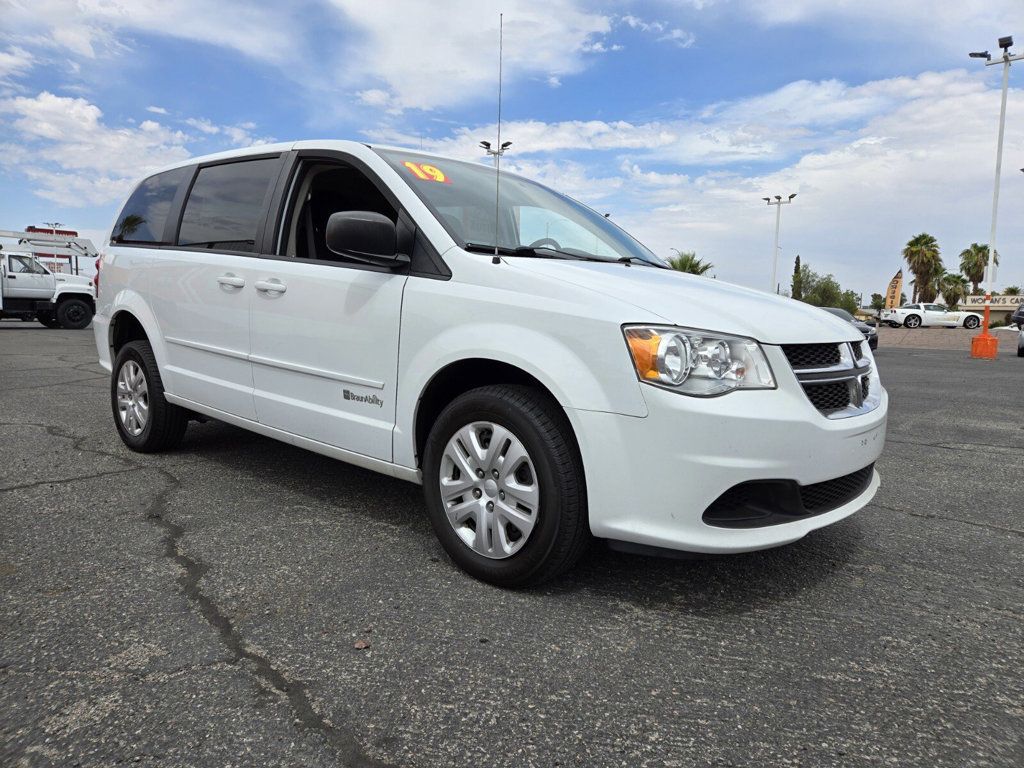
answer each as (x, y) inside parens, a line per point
(922, 255)
(953, 287)
(1012, 290)
(687, 261)
(973, 261)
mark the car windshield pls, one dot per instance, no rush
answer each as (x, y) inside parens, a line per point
(840, 313)
(532, 219)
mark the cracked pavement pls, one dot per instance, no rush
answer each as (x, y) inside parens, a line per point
(200, 607)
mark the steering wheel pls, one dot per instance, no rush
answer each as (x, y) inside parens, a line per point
(546, 242)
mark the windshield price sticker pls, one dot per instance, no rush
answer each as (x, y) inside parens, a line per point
(427, 172)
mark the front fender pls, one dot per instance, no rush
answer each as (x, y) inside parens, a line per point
(65, 289)
(571, 379)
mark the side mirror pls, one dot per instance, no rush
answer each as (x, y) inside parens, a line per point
(364, 236)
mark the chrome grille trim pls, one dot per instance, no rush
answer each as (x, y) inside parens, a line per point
(853, 369)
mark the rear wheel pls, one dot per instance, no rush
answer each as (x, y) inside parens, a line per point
(504, 486)
(912, 321)
(74, 314)
(144, 419)
(971, 322)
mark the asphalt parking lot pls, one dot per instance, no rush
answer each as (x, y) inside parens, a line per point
(203, 607)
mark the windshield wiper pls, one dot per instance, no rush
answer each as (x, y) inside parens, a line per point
(639, 260)
(546, 252)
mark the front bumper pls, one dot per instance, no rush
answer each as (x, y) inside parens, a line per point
(649, 480)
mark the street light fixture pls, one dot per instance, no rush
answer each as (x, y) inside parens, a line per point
(778, 202)
(985, 345)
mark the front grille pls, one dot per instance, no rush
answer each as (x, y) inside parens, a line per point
(761, 503)
(835, 377)
(812, 355)
(822, 497)
(829, 398)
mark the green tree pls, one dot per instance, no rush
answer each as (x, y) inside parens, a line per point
(925, 263)
(687, 261)
(973, 261)
(953, 287)
(1011, 290)
(797, 291)
(825, 291)
(877, 302)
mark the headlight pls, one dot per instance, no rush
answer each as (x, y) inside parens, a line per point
(697, 363)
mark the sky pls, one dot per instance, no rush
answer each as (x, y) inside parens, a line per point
(676, 118)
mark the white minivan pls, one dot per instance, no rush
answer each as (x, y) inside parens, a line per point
(545, 377)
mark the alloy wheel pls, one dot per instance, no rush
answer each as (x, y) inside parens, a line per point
(132, 398)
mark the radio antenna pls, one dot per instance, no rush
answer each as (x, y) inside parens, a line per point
(497, 152)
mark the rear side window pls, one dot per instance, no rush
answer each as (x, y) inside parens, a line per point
(226, 205)
(145, 213)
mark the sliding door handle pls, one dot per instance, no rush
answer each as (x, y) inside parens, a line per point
(231, 281)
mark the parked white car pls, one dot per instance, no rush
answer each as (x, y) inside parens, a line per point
(918, 315)
(546, 378)
(31, 291)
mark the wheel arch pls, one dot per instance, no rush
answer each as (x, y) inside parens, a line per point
(131, 320)
(459, 377)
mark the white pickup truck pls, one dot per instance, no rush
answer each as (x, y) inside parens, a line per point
(31, 291)
(917, 315)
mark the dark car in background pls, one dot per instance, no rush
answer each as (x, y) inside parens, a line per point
(870, 333)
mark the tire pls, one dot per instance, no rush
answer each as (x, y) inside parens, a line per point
(553, 470)
(912, 321)
(163, 424)
(971, 323)
(74, 314)
(48, 319)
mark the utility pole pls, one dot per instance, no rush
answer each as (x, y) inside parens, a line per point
(778, 202)
(985, 345)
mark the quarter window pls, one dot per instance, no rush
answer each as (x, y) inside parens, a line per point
(145, 214)
(226, 205)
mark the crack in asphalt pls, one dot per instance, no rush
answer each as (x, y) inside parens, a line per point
(193, 570)
(64, 480)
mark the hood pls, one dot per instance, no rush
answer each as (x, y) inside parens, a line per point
(699, 302)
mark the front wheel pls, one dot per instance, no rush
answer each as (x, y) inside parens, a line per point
(971, 322)
(504, 486)
(146, 422)
(912, 321)
(74, 314)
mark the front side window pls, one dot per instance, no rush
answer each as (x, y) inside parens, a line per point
(227, 204)
(145, 214)
(26, 265)
(323, 189)
(935, 308)
(531, 219)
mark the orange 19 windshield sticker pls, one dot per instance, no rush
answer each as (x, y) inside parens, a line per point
(427, 172)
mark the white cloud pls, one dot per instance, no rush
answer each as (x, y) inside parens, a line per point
(157, 110)
(74, 158)
(203, 125)
(457, 51)
(661, 29)
(90, 28)
(15, 61)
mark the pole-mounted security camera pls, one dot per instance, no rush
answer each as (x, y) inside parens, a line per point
(1006, 42)
(981, 55)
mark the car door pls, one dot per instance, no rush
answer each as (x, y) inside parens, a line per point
(325, 330)
(202, 286)
(27, 278)
(936, 314)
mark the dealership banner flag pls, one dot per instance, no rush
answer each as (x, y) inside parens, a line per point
(892, 296)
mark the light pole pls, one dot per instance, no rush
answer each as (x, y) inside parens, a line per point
(985, 345)
(778, 202)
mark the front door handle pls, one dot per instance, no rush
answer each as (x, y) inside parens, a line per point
(270, 286)
(12, 277)
(231, 280)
